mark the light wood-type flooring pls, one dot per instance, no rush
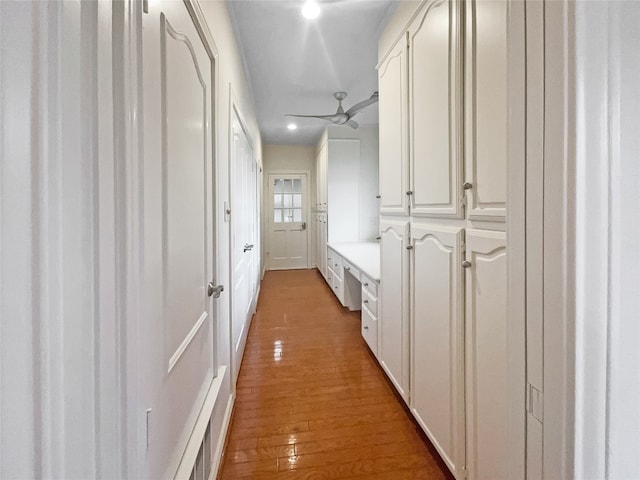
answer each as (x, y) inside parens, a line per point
(312, 402)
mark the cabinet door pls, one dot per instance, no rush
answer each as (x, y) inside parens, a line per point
(393, 326)
(435, 92)
(393, 123)
(486, 109)
(437, 340)
(486, 356)
(323, 159)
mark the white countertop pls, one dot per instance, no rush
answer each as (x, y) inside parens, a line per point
(364, 255)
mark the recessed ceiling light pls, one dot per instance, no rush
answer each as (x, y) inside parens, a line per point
(292, 126)
(310, 9)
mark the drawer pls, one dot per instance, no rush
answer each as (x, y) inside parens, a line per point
(352, 269)
(336, 264)
(338, 288)
(370, 285)
(329, 278)
(369, 330)
(369, 301)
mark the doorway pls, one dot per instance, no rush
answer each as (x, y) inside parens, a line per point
(287, 227)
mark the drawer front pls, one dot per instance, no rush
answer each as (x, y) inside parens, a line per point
(352, 269)
(336, 264)
(338, 288)
(330, 256)
(369, 301)
(329, 278)
(369, 330)
(371, 286)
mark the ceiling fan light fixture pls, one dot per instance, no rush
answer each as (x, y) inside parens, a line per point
(310, 9)
(292, 126)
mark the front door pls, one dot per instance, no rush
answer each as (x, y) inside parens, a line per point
(287, 222)
(176, 332)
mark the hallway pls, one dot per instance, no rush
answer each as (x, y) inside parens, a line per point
(312, 401)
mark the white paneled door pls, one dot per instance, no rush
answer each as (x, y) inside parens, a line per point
(486, 355)
(287, 221)
(437, 340)
(244, 237)
(177, 331)
(393, 327)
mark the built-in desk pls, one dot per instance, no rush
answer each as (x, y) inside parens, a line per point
(353, 272)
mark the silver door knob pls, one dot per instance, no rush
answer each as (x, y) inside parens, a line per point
(214, 290)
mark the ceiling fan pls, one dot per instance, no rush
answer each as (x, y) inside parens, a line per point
(341, 117)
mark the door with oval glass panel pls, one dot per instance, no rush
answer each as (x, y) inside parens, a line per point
(288, 246)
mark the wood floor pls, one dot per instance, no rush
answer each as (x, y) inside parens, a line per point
(312, 403)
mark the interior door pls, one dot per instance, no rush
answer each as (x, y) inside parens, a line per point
(243, 237)
(176, 336)
(287, 222)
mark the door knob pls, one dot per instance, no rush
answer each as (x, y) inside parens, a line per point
(467, 186)
(466, 264)
(214, 290)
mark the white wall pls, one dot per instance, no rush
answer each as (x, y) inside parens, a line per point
(287, 158)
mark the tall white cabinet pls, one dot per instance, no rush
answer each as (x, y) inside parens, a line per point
(443, 289)
(346, 208)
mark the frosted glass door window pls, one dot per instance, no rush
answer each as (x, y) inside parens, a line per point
(287, 200)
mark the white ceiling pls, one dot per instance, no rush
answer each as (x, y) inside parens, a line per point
(294, 65)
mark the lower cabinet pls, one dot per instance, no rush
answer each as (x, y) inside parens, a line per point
(437, 339)
(442, 338)
(487, 400)
(393, 323)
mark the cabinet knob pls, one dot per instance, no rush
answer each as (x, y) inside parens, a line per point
(365, 301)
(409, 247)
(347, 268)
(366, 327)
(366, 284)
(378, 196)
(467, 186)
(378, 237)
(466, 264)
(409, 192)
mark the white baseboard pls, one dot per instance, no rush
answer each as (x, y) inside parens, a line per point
(216, 459)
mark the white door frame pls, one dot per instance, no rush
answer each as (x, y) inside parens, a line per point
(267, 212)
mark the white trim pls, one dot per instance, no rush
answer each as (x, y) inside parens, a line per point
(216, 457)
(185, 343)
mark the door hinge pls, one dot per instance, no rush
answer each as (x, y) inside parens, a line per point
(145, 6)
(535, 403)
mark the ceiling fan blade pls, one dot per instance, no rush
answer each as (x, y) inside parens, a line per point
(322, 117)
(363, 104)
(337, 118)
(352, 123)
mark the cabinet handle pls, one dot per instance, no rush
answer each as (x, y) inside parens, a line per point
(466, 264)
(365, 301)
(409, 247)
(347, 268)
(366, 327)
(366, 284)
(335, 264)
(378, 196)
(409, 192)
(467, 186)
(378, 237)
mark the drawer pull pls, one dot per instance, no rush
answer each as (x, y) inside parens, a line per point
(366, 327)
(366, 284)
(347, 268)
(365, 301)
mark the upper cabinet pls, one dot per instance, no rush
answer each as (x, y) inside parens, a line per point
(394, 122)
(435, 92)
(486, 110)
(443, 113)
